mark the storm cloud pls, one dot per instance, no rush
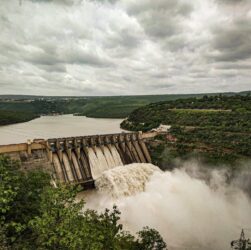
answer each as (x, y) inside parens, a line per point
(120, 47)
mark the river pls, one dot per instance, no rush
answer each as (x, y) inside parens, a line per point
(57, 126)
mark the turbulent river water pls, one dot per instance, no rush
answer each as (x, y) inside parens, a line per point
(57, 126)
(191, 210)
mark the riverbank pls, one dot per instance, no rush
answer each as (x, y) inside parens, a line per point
(25, 108)
(13, 117)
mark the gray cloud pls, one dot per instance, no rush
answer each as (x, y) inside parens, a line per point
(117, 47)
(86, 57)
(232, 1)
(67, 2)
(160, 18)
(233, 42)
(54, 68)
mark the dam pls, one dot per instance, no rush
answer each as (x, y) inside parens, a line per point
(83, 159)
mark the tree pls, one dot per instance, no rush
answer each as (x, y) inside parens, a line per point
(35, 215)
(20, 197)
(150, 239)
(63, 225)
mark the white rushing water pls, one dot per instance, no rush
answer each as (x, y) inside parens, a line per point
(68, 167)
(57, 126)
(102, 159)
(115, 156)
(109, 158)
(189, 212)
(125, 180)
(94, 163)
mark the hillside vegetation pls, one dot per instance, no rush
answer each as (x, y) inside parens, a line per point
(11, 117)
(96, 107)
(215, 129)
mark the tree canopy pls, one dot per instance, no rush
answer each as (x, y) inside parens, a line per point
(36, 215)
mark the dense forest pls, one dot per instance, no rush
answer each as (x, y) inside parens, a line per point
(36, 215)
(25, 108)
(11, 117)
(214, 129)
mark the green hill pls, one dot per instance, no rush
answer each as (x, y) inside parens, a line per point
(96, 107)
(11, 117)
(215, 129)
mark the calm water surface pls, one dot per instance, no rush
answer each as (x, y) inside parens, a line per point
(57, 126)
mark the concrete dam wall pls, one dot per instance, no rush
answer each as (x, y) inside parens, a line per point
(80, 160)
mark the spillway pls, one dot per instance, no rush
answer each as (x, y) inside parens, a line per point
(83, 159)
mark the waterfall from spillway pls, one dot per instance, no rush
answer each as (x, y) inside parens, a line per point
(125, 180)
(103, 159)
(110, 160)
(116, 156)
(58, 168)
(94, 163)
(192, 209)
(82, 160)
(68, 167)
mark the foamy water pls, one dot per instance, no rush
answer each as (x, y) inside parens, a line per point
(125, 180)
(189, 212)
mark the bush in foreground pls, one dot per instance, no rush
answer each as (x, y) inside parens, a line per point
(34, 215)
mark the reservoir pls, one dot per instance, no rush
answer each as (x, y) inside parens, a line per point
(57, 126)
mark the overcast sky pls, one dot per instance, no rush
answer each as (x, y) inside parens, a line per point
(120, 47)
